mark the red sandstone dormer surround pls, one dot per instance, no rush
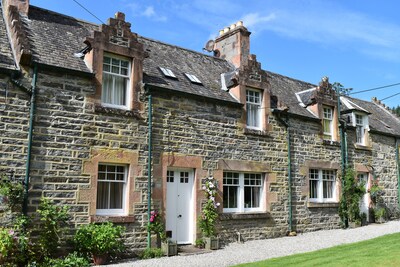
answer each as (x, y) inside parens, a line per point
(13, 11)
(117, 39)
(233, 45)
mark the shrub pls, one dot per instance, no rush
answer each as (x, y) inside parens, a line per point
(13, 194)
(52, 218)
(99, 239)
(149, 253)
(209, 212)
(72, 260)
(156, 225)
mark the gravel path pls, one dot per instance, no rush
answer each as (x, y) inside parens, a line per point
(251, 251)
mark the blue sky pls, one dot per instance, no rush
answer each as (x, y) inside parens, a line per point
(354, 42)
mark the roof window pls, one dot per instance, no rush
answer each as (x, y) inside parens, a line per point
(167, 72)
(193, 78)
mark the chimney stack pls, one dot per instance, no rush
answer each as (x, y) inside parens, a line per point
(233, 44)
(21, 5)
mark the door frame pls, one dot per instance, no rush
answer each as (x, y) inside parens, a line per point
(191, 211)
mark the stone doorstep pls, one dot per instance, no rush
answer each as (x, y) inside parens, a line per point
(187, 250)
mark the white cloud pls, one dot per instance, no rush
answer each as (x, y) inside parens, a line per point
(149, 12)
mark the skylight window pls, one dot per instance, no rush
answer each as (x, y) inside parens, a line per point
(193, 78)
(167, 72)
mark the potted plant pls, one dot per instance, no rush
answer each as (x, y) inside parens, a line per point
(209, 214)
(99, 241)
(156, 226)
(380, 214)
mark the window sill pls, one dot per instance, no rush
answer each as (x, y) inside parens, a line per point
(111, 218)
(117, 111)
(330, 142)
(362, 147)
(323, 204)
(244, 216)
(255, 132)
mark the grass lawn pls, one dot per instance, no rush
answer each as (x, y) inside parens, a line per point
(381, 251)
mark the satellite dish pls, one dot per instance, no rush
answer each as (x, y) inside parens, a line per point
(209, 47)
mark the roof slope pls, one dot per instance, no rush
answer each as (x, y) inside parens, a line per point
(380, 119)
(6, 55)
(55, 38)
(179, 60)
(285, 88)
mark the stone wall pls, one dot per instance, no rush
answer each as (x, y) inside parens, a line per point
(214, 131)
(68, 128)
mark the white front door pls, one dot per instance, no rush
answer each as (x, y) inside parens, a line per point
(179, 213)
(364, 202)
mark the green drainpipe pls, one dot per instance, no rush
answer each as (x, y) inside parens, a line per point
(30, 134)
(149, 171)
(289, 174)
(398, 169)
(287, 126)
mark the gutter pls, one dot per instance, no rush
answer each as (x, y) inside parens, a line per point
(286, 123)
(30, 135)
(149, 167)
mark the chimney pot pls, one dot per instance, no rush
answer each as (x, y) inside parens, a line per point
(233, 26)
(221, 32)
(226, 29)
(120, 16)
(239, 23)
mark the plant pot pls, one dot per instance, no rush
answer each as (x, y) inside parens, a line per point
(155, 241)
(100, 259)
(170, 248)
(211, 243)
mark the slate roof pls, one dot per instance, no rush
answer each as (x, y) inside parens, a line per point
(380, 119)
(56, 37)
(6, 55)
(285, 88)
(179, 60)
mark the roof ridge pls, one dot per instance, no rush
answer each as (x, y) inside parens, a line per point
(63, 15)
(291, 78)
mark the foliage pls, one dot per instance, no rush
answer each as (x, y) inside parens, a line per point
(379, 212)
(199, 243)
(156, 225)
(6, 244)
(15, 246)
(71, 260)
(13, 194)
(375, 191)
(396, 110)
(342, 90)
(53, 218)
(99, 239)
(149, 253)
(209, 212)
(381, 251)
(352, 192)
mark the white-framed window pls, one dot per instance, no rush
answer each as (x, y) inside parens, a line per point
(327, 122)
(111, 187)
(253, 107)
(322, 185)
(243, 192)
(116, 82)
(361, 124)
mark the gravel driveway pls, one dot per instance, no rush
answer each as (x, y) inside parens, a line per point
(251, 251)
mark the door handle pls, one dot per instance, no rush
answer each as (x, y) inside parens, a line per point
(179, 216)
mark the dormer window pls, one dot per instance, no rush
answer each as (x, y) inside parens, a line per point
(361, 124)
(115, 86)
(327, 122)
(253, 108)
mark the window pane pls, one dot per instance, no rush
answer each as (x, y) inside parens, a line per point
(230, 196)
(313, 189)
(107, 88)
(119, 91)
(116, 195)
(252, 197)
(102, 195)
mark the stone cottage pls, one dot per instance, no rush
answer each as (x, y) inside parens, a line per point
(114, 124)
